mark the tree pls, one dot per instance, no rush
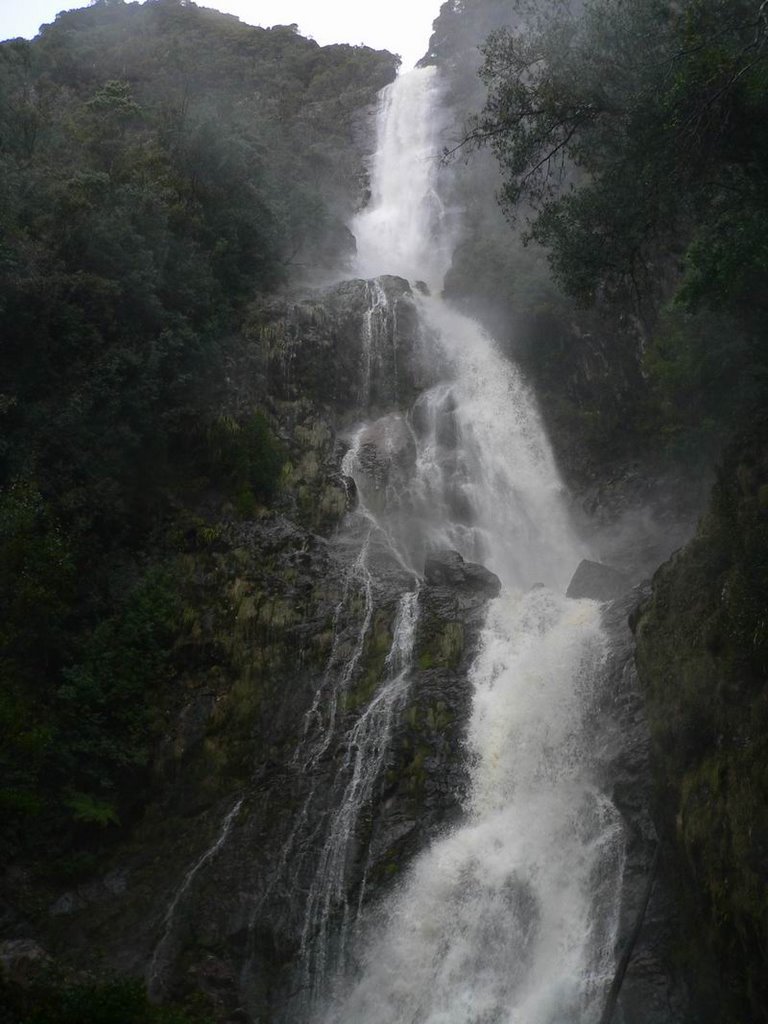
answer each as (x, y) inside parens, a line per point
(622, 128)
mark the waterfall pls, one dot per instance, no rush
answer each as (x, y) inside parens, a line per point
(406, 229)
(511, 918)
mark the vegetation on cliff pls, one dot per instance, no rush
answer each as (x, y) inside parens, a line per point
(50, 1000)
(633, 149)
(163, 167)
(702, 648)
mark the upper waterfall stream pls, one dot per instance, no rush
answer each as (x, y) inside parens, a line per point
(511, 918)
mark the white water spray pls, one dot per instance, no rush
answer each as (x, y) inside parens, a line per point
(406, 229)
(512, 918)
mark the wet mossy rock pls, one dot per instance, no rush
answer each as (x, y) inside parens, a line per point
(448, 569)
(598, 582)
(255, 638)
(318, 365)
(337, 352)
(455, 590)
(702, 650)
(426, 778)
(260, 623)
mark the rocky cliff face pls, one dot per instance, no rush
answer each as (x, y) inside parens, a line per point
(258, 839)
(702, 656)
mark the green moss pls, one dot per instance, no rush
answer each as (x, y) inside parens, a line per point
(415, 772)
(55, 1000)
(373, 661)
(439, 717)
(441, 644)
(702, 653)
(277, 612)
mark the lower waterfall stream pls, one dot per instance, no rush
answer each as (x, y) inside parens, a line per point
(511, 918)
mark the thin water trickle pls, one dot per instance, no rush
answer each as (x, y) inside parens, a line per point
(367, 744)
(163, 952)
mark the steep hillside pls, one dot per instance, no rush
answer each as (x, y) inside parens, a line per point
(165, 170)
(702, 652)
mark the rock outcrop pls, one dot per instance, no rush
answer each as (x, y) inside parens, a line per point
(466, 580)
(649, 987)
(285, 641)
(702, 649)
(598, 582)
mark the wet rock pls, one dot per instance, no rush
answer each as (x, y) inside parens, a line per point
(216, 979)
(385, 458)
(99, 890)
(598, 582)
(213, 974)
(448, 569)
(651, 990)
(350, 347)
(21, 961)
(427, 777)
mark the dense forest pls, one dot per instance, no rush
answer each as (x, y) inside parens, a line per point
(632, 146)
(167, 176)
(163, 166)
(631, 161)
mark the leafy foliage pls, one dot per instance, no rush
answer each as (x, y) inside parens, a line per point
(242, 456)
(162, 167)
(89, 1002)
(621, 123)
(703, 658)
(632, 139)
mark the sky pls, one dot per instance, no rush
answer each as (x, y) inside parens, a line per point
(402, 26)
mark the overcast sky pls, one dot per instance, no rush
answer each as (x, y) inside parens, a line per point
(402, 26)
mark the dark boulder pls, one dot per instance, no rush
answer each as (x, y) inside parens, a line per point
(448, 569)
(22, 962)
(598, 582)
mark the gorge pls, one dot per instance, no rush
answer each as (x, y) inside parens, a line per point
(371, 713)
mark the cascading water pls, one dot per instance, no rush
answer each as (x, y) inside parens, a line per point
(367, 745)
(406, 228)
(512, 918)
(365, 742)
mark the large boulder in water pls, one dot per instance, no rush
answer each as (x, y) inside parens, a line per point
(598, 582)
(448, 569)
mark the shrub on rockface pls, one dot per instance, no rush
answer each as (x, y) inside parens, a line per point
(57, 1001)
(163, 167)
(242, 457)
(632, 144)
(703, 658)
